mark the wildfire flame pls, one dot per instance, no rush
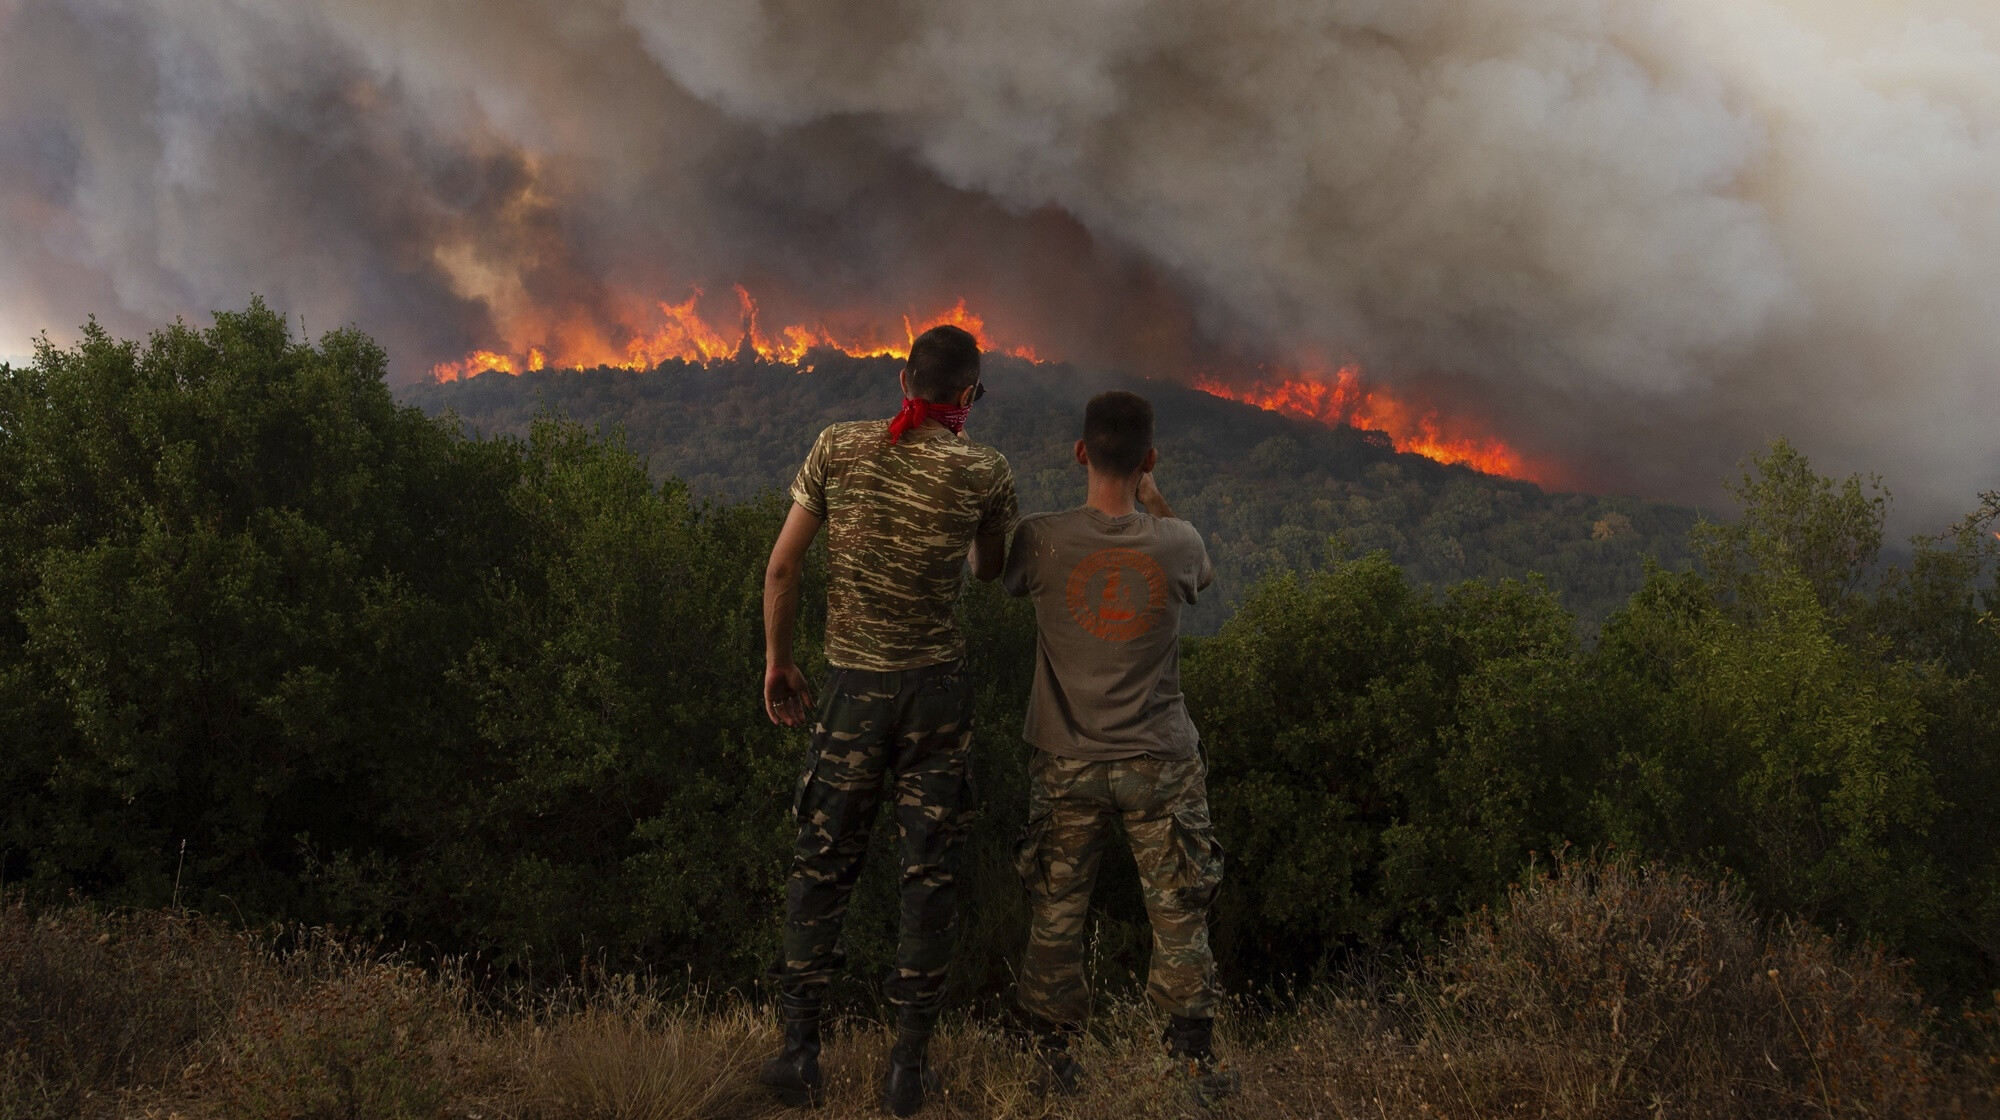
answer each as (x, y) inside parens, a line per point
(680, 332)
(1345, 399)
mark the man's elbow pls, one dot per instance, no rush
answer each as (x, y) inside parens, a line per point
(987, 558)
(781, 572)
(985, 568)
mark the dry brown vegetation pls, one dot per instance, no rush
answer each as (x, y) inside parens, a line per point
(1599, 990)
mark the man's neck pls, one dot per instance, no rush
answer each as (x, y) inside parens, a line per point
(1112, 496)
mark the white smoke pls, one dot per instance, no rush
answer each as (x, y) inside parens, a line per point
(1640, 237)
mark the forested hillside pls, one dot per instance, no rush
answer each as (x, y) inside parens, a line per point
(280, 649)
(1270, 492)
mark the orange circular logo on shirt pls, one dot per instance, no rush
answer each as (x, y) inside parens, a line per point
(1117, 593)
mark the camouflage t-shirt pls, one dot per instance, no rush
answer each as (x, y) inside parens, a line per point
(900, 518)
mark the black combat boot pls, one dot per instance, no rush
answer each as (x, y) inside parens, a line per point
(794, 1073)
(1191, 1045)
(1060, 1070)
(910, 1077)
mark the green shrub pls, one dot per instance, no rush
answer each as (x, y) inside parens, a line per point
(1382, 756)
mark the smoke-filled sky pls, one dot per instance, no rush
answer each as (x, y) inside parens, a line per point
(1640, 238)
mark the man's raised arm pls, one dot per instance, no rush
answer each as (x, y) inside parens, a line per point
(1150, 497)
(1156, 504)
(786, 698)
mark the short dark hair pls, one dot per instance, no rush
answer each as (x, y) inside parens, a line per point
(1118, 431)
(944, 362)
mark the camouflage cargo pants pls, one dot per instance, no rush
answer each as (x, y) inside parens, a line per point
(907, 735)
(1071, 806)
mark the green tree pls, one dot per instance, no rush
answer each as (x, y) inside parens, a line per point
(490, 694)
(1796, 521)
(1772, 749)
(227, 550)
(1832, 747)
(1382, 756)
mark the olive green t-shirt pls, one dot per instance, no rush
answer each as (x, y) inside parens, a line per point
(900, 518)
(1108, 593)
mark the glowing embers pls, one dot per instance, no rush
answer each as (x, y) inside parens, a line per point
(680, 332)
(1344, 398)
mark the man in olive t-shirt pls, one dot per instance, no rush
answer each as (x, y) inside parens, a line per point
(905, 502)
(1108, 597)
(1113, 741)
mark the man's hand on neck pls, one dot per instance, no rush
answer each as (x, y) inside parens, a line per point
(1149, 496)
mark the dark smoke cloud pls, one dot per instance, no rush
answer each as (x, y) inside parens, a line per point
(1640, 237)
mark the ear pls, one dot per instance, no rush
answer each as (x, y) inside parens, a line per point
(1146, 464)
(965, 398)
(903, 379)
(1082, 456)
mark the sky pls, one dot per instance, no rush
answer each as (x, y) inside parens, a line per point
(1639, 238)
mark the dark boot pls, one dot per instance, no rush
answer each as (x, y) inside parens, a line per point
(1191, 1045)
(910, 1078)
(1060, 1070)
(794, 1074)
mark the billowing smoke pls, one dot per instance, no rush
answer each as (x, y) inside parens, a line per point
(1639, 238)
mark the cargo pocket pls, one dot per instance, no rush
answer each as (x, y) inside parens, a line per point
(969, 804)
(805, 780)
(1201, 860)
(828, 700)
(1028, 856)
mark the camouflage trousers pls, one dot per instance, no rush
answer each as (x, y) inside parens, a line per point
(906, 735)
(1071, 807)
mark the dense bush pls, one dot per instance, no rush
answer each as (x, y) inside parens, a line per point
(1387, 754)
(1382, 755)
(279, 647)
(1637, 990)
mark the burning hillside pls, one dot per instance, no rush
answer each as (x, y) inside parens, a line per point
(1344, 397)
(682, 332)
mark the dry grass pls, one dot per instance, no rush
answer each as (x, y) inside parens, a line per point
(1598, 991)
(1603, 990)
(624, 1053)
(92, 1005)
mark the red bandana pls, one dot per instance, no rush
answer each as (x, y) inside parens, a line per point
(916, 412)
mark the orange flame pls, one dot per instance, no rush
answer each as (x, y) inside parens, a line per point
(679, 332)
(1346, 399)
(474, 364)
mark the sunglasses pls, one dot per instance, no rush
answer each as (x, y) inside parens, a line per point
(978, 389)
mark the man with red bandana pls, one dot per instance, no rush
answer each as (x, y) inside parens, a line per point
(906, 503)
